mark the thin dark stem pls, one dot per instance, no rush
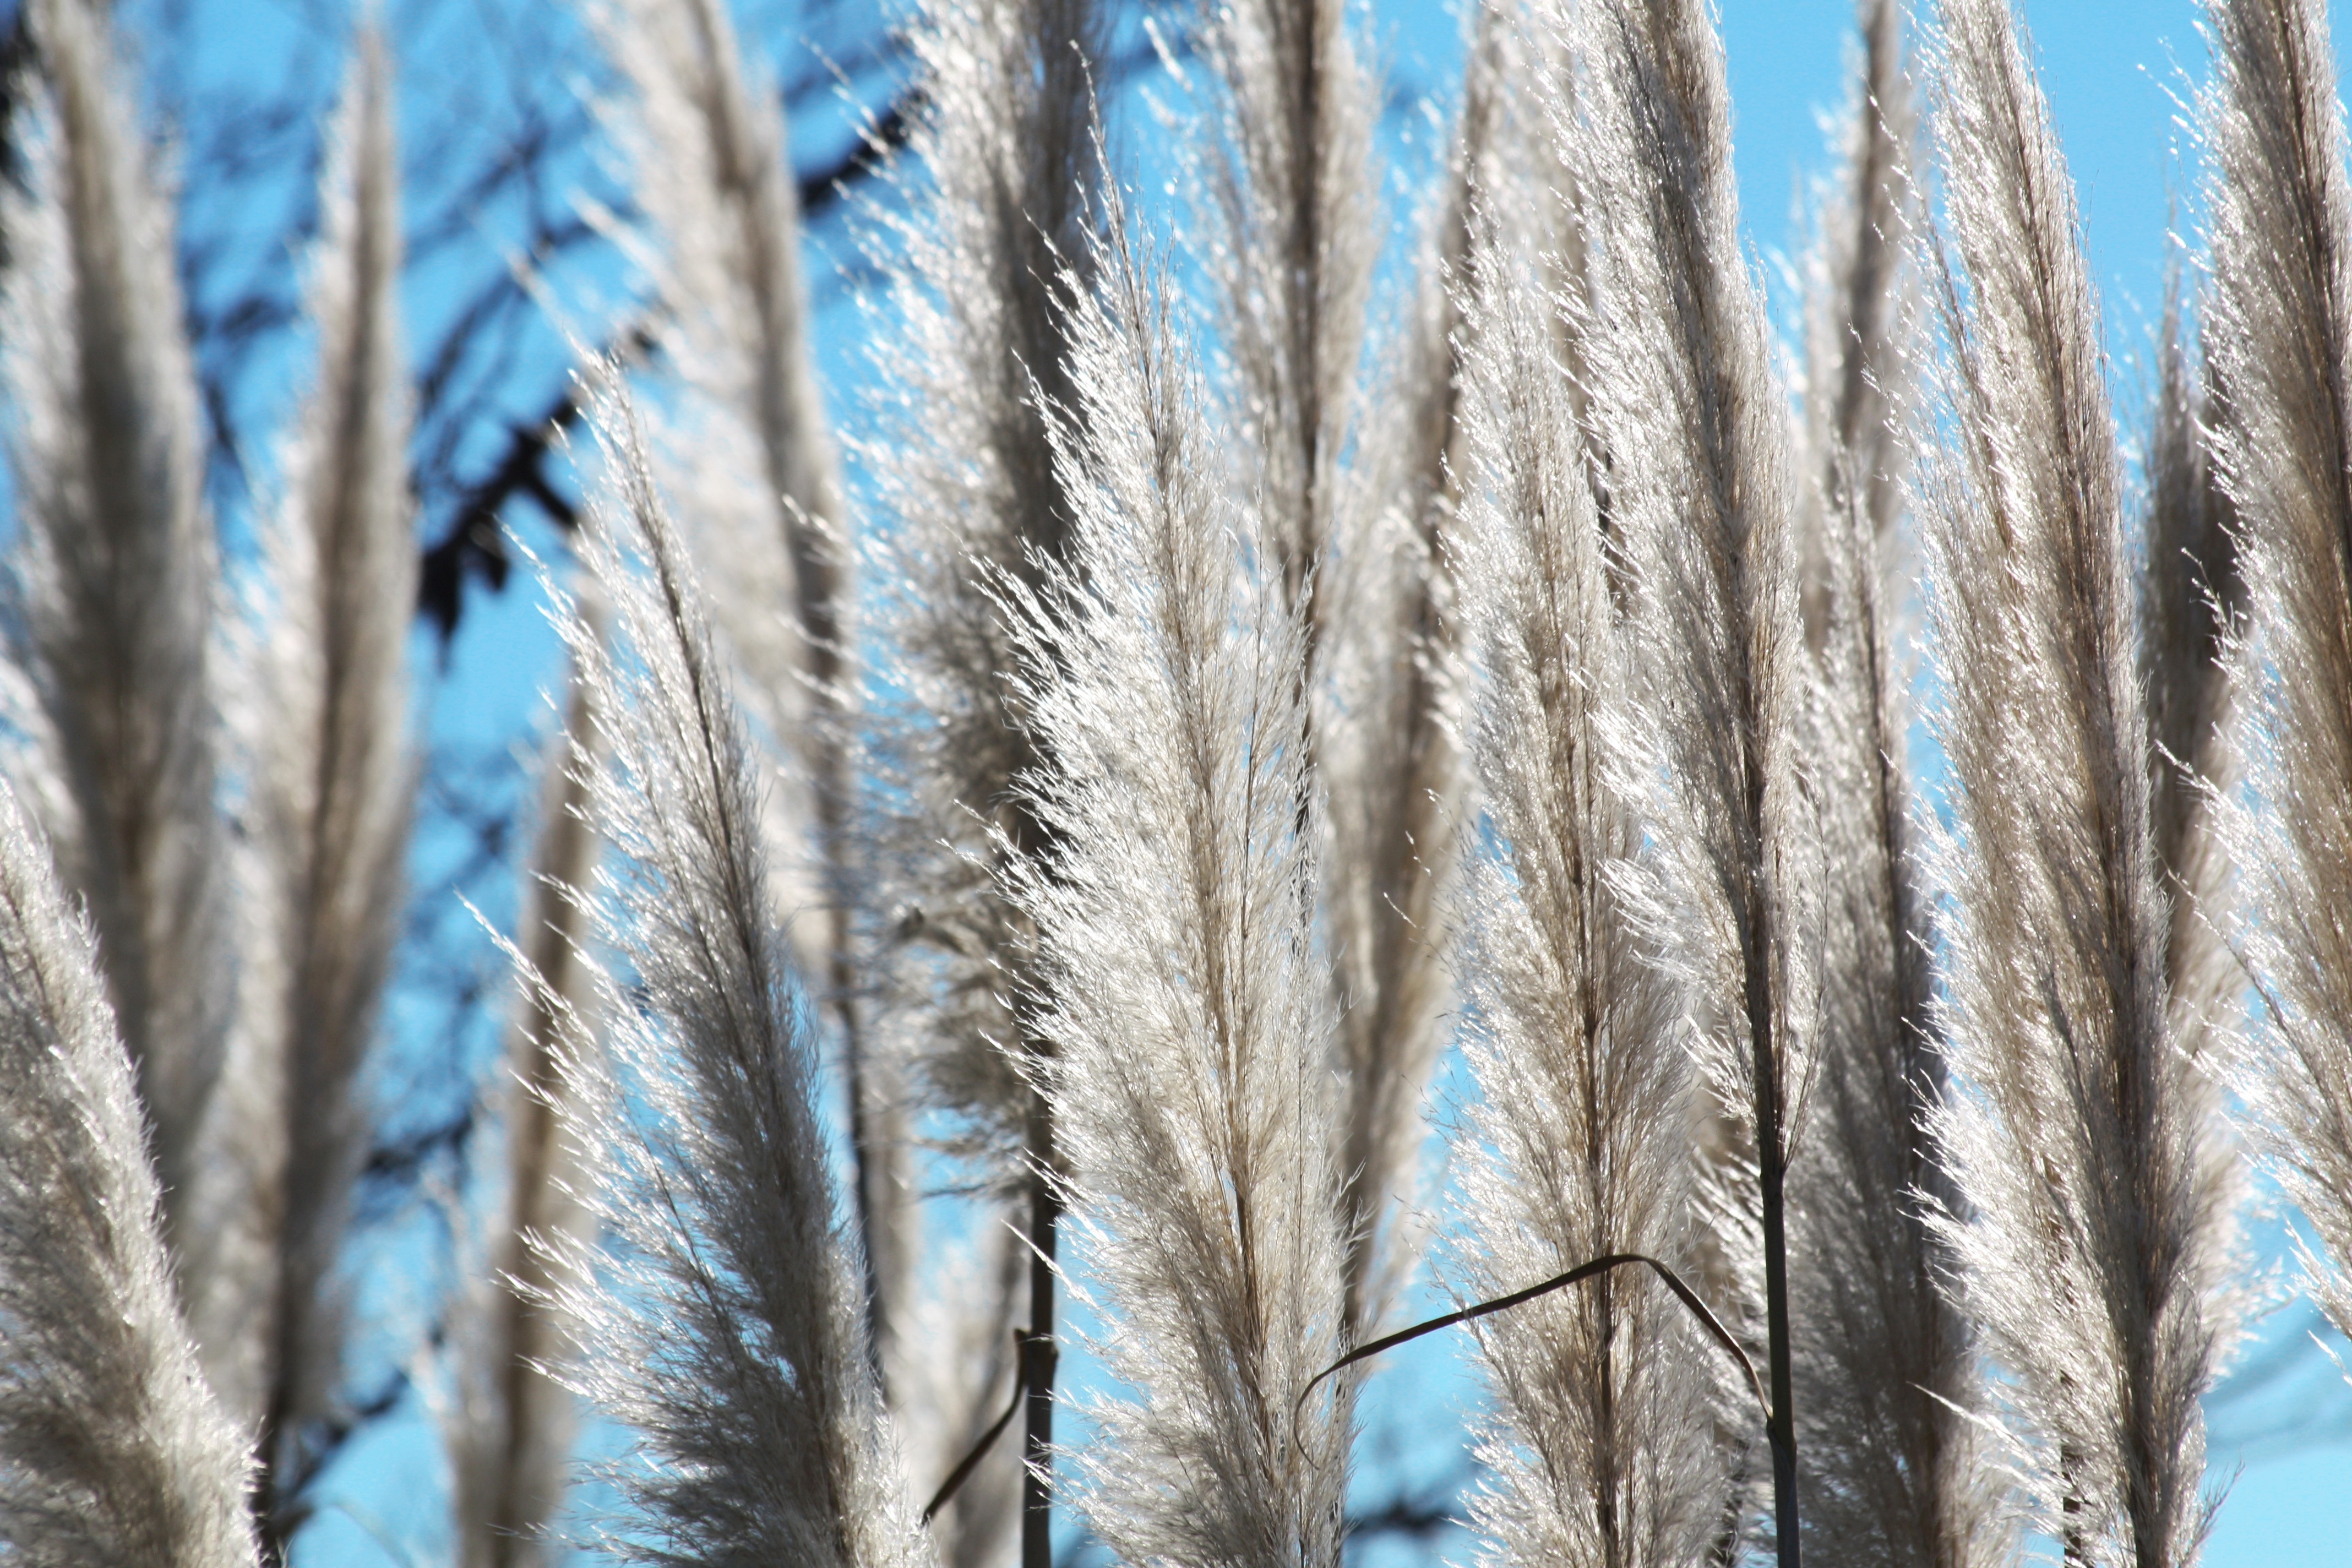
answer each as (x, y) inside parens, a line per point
(1771, 1158)
(1038, 1351)
(1582, 1271)
(1771, 1174)
(1780, 1424)
(971, 1462)
(862, 1163)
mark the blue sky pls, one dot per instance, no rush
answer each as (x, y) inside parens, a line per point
(2112, 71)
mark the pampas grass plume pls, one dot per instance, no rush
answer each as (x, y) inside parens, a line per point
(112, 1448)
(726, 1331)
(322, 714)
(115, 571)
(1603, 1445)
(1163, 665)
(2279, 337)
(2098, 1201)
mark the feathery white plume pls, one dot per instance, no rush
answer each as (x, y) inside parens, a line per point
(706, 161)
(114, 579)
(1191, 1086)
(2085, 1143)
(1861, 307)
(2191, 602)
(1603, 1448)
(112, 1448)
(726, 1330)
(1389, 754)
(1293, 241)
(741, 441)
(1894, 1471)
(1697, 435)
(992, 254)
(512, 1422)
(2279, 337)
(1291, 174)
(746, 441)
(321, 716)
(1007, 149)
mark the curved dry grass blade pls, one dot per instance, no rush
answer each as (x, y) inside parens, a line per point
(1699, 1310)
(980, 1449)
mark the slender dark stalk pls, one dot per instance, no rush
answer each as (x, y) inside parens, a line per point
(986, 274)
(1781, 1428)
(1039, 1355)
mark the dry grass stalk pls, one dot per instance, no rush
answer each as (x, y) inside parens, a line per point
(1191, 1089)
(2278, 338)
(112, 1448)
(1603, 1447)
(2098, 1201)
(116, 573)
(726, 1331)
